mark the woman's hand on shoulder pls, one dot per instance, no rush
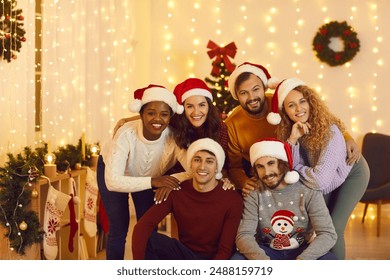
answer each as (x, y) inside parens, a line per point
(164, 185)
(227, 185)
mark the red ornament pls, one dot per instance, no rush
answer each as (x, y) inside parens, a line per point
(24, 39)
(323, 31)
(338, 56)
(352, 45)
(347, 32)
(21, 17)
(319, 47)
(7, 17)
(7, 35)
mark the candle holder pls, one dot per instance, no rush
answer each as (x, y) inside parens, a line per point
(50, 168)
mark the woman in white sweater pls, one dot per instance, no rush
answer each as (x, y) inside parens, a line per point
(135, 161)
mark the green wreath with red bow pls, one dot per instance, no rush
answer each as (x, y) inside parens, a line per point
(332, 29)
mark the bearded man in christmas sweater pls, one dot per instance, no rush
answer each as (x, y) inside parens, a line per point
(282, 218)
(207, 216)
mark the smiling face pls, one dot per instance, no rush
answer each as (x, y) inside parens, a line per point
(269, 173)
(196, 109)
(204, 169)
(155, 117)
(296, 106)
(251, 96)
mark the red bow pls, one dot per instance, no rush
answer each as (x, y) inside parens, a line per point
(222, 54)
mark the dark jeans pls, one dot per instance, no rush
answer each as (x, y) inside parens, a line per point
(284, 254)
(162, 247)
(116, 205)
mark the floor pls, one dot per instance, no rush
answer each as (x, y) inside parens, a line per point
(362, 242)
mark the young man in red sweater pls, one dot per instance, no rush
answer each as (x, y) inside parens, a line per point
(207, 215)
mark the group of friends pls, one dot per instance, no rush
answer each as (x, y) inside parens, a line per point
(278, 179)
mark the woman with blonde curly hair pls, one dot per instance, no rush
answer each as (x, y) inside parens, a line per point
(319, 151)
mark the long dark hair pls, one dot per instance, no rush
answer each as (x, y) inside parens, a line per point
(185, 133)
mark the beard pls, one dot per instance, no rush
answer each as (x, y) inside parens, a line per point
(254, 111)
(272, 185)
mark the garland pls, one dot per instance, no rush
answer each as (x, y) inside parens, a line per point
(11, 30)
(332, 29)
(16, 191)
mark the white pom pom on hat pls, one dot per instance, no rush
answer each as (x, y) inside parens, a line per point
(271, 147)
(281, 91)
(154, 93)
(207, 144)
(256, 69)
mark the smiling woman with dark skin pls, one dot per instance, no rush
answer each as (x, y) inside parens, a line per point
(135, 161)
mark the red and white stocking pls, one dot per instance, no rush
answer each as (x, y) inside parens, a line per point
(72, 213)
(56, 203)
(90, 209)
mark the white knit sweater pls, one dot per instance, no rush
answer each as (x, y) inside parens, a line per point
(131, 160)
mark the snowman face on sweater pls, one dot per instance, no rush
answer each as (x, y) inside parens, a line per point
(282, 226)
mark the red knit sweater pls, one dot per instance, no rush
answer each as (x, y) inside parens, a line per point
(207, 222)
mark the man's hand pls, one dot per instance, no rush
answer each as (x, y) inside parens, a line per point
(250, 185)
(353, 152)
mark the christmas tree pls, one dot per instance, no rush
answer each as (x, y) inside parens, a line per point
(11, 30)
(222, 68)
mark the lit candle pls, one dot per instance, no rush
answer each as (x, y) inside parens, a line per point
(83, 146)
(95, 155)
(50, 168)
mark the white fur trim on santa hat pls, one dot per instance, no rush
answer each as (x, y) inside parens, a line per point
(287, 86)
(155, 94)
(135, 105)
(242, 69)
(267, 149)
(207, 144)
(197, 91)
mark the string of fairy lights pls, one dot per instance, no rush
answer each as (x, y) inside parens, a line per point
(256, 28)
(269, 24)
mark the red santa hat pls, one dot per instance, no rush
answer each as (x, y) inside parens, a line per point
(207, 144)
(191, 87)
(256, 69)
(154, 93)
(281, 91)
(285, 215)
(270, 147)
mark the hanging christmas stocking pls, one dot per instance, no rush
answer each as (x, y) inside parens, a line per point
(72, 213)
(56, 203)
(91, 192)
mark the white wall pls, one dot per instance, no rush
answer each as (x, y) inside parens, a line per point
(98, 52)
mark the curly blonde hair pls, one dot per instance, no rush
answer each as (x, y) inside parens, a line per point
(320, 119)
